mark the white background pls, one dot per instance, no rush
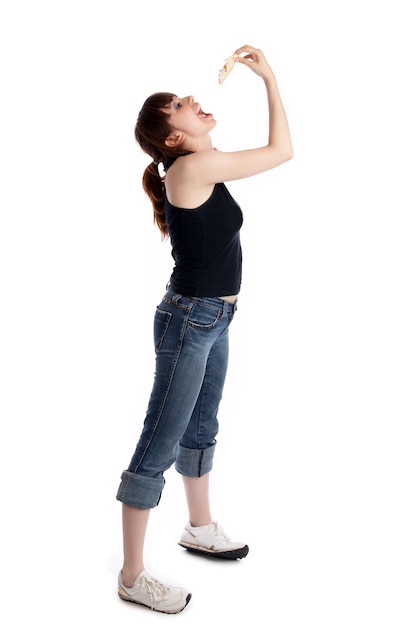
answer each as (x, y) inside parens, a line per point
(316, 459)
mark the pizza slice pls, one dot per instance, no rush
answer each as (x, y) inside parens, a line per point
(227, 67)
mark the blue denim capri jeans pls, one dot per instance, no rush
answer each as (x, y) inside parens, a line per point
(191, 347)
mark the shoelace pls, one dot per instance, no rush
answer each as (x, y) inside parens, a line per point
(218, 530)
(155, 588)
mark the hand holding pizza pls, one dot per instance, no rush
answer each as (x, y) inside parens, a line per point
(251, 57)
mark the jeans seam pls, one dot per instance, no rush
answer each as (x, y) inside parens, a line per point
(200, 461)
(202, 404)
(165, 394)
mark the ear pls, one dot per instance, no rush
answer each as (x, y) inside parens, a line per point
(174, 140)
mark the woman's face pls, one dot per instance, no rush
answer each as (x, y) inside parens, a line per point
(187, 116)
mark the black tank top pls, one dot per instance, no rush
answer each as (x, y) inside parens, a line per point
(206, 246)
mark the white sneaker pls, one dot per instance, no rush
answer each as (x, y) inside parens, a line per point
(157, 596)
(211, 540)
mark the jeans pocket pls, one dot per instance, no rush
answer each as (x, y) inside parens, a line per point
(160, 327)
(204, 316)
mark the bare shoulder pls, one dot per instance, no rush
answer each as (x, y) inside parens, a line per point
(184, 186)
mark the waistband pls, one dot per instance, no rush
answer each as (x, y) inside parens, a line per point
(222, 305)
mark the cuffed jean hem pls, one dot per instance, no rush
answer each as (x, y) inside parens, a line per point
(194, 463)
(141, 492)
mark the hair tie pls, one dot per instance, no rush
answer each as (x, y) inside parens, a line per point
(157, 167)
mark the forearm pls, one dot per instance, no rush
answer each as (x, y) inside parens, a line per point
(279, 133)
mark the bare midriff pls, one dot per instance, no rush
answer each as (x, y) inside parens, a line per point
(231, 299)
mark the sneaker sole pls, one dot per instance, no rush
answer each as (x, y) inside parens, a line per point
(240, 553)
(127, 599)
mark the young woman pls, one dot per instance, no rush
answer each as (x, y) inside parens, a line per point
(193, 207)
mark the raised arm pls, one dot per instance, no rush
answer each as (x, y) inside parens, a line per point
(215, 166)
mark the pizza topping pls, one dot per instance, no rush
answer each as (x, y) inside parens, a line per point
(227, 67)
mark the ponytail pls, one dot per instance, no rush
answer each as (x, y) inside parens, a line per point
(151, 130)
(153, 185)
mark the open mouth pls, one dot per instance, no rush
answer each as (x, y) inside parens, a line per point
(201, 113)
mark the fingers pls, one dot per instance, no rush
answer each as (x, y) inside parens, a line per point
(254, 59)
(249, 55)
(249, 49)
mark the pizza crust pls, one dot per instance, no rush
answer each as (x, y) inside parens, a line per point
(227, 67)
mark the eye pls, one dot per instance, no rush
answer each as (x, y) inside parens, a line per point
(178, 105)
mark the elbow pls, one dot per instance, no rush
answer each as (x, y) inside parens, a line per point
(283, 157)
(281, 152)
(289, 155)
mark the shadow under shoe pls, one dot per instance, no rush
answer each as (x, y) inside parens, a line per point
(212, 541)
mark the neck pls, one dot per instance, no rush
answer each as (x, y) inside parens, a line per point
(199, 145)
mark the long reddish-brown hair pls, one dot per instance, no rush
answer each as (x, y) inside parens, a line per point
(152, 128)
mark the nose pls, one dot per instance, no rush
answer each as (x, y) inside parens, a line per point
(190, 99)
